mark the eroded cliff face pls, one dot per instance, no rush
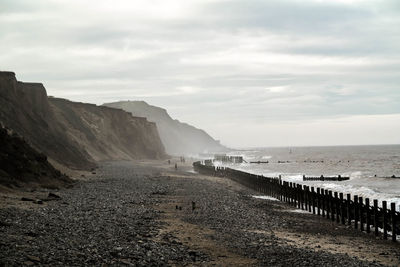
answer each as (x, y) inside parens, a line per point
(106, 133)
(74, 134)
(22, 165)
(178, 138)
(25, 109)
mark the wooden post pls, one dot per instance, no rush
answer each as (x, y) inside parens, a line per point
(301, 196)
(319, 201)
(348, 202)
(393, 215)
(309, 198)
(376, 220)
(356, 212)
(368, 215)
(323, 202)
(360, 203)
(313, 199)
(305, 197)
(327, 203)
(385, 222)
(342, 217)
(332, 204)
(337, 207)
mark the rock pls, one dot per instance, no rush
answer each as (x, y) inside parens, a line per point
(33, 258)
(27, 199)
(5, 223)
(53, 196)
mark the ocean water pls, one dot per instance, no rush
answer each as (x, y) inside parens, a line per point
(360, 163)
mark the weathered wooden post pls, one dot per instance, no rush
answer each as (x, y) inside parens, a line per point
(356, 212)
(368, 215)
(299, 196)
(393, 215)
(385, 222)
(342, 209)
(360, 203)
(309, 198)
(318, 201)
(337, 207)
(323, 202)
(332, 204)
(305, 197)
(348, 202)
(313, 199)
(376, 219)
(328, 204)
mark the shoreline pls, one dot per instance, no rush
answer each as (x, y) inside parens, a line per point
(139, 200)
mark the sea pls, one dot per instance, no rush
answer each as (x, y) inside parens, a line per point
(371, 168)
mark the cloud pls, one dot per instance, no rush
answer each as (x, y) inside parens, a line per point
(261, 62)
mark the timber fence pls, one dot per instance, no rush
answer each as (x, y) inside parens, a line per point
(357, 211)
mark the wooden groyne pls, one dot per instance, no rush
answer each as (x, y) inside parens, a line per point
(359, 212)
(323, 178)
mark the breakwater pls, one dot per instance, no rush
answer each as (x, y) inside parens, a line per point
(356, 211)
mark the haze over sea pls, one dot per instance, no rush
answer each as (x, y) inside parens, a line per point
(360, 163)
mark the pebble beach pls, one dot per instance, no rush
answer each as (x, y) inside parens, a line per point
(149, 214)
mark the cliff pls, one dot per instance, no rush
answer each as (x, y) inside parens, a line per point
(20, 164)
(106, 133)
(74, 134)
(178, 138)
(24, 108)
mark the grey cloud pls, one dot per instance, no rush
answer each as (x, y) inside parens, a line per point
(222, 51)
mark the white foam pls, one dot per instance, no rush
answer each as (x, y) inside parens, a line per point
(300, 211)
(266, 198)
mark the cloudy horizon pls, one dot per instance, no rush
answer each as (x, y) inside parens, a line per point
(250, 73)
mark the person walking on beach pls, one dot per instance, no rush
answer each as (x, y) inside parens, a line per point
(176, 166)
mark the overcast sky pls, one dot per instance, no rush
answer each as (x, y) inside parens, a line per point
(250, 73)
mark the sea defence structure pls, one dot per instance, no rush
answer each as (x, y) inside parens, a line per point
(228, 159)
(359, 212)
(323, 178)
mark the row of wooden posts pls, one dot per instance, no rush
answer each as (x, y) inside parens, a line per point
(332, 205)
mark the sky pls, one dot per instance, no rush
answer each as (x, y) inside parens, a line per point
(250, 73)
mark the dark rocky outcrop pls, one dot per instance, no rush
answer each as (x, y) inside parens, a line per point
(178, 138)
(74, 134)
(20, 164)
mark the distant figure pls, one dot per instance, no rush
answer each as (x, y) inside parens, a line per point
(193, 205)
(176, 166)
(169, 162)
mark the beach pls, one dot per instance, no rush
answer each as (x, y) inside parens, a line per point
(146, 213)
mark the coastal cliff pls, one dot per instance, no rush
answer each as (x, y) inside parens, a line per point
(75, 135)
(24, 108)
(178, 138)
(107, 133)
(20, 164)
